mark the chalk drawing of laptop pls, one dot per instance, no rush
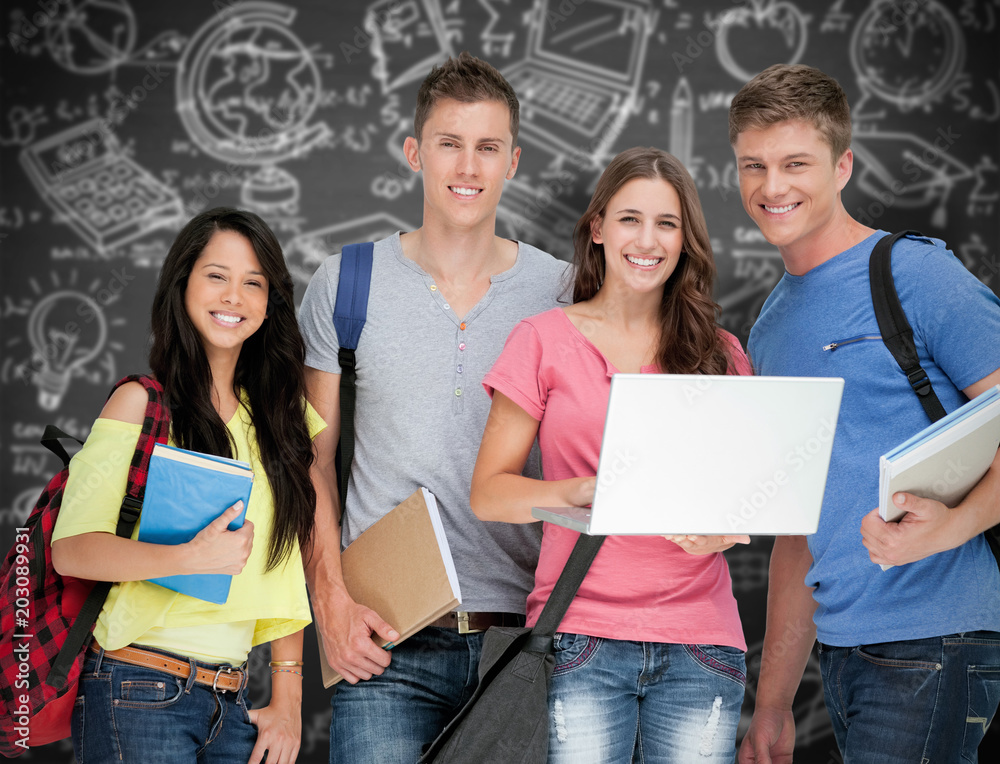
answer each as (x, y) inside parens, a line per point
(713, 455)
(579, 80)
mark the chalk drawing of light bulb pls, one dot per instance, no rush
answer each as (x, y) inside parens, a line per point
(66, 329)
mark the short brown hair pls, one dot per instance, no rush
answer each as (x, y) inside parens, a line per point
(466, 79)
(793, 91)
(689, 339)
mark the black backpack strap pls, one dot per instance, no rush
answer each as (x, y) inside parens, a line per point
(895, 329)
(349, 314)
(898, 337)
(50, 439)
(155, 429)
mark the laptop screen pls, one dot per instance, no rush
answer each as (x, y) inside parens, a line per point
(601, 37)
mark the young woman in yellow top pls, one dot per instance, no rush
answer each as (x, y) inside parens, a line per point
(165, 678)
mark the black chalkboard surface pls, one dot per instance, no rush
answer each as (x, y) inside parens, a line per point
(121, 119)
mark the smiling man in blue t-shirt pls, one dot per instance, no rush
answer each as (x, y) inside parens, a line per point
(911, 655)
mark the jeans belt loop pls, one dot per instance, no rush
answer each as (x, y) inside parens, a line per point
(192, 675)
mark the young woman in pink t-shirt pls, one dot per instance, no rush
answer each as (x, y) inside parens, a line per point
(650, 655)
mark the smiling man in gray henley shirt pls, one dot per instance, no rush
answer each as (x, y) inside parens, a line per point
(443, 300)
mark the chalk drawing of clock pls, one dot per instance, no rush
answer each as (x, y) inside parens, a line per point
(907, 53)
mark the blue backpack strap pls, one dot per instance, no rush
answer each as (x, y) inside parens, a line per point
(351, 308)
(349, 314)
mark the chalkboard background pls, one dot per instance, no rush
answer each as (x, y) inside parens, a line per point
(119, 120)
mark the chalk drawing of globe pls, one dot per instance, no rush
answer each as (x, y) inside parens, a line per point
(247, 87)
(91, 36)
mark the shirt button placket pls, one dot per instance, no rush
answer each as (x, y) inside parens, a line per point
(458, 405)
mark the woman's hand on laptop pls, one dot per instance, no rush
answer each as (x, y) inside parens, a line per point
(706, 544)
(580, 491)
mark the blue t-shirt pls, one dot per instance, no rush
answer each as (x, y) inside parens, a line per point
(956, 328)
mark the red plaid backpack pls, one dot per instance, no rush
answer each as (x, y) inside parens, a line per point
(47, 620)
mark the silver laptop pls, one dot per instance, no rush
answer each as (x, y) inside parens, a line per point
(712, 455)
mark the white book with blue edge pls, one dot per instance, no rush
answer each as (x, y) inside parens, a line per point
(185, 492)
(945, 460)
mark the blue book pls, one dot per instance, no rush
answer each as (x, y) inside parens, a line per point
(185, 492)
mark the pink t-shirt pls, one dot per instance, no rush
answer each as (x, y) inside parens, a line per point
(641, 588)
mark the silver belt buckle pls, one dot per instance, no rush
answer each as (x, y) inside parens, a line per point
(215, 682)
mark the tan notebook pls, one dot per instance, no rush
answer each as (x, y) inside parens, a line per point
(401, 567)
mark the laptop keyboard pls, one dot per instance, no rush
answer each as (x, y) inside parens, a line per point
(565, 101)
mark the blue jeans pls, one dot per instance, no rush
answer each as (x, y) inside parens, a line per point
(918, 700)
(389, 718)
(138, 715)
(614, 702)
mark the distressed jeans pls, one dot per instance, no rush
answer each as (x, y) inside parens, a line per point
(922, 700)
(614, 702)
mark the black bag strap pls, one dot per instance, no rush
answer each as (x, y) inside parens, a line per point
(538, 640)
(895, 329)
(575, 570)
(155, 429)
(349, 314)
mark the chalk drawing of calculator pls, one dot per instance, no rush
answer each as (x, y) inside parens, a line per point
(104, 195)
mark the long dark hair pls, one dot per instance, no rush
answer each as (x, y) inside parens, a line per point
(269, 371)
(689, 338)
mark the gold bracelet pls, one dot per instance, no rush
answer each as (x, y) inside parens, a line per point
(286, 671)
(286, 663)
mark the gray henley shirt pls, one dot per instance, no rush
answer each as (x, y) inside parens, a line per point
(421, 408)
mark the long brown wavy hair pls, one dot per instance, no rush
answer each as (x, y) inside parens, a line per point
(689, 340)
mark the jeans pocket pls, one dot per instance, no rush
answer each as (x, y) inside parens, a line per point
(722, 660)
(984, 695)
(891, 655)
(574, 651)
(146, 690)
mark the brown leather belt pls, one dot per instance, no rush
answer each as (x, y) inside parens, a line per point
(225, 678)
(473, 623)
